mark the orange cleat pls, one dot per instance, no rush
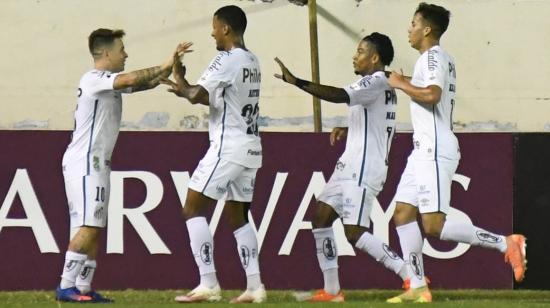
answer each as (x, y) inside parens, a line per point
(516, 255)
(323, 296)
(419, 295)
(407, 283)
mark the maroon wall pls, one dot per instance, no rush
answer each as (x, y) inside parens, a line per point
(487, 159)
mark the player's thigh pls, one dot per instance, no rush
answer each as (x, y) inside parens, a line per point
(329, 203)
(241, 185)
(357, 204)
(434, 179)
(88, 199)
(407, 188)
(213, 177)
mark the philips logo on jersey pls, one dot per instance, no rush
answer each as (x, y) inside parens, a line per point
(252, 74)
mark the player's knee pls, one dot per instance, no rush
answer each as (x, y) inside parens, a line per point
(352, 234)
(236, 220)
(403, 215)
(324, 216)
(431, 228)
(189, 212)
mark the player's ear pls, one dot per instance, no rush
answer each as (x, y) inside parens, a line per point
(225, 29)
(375, 58)
(427, 30)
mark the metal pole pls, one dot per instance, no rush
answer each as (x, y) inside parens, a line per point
(314, 50)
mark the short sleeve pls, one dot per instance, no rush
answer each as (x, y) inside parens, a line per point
(365, 91)
(219, 74)
(99, 81)
(434, 69)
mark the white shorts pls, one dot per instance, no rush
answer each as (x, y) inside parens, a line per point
(426, 184)
(218, 179)
(88, 198)
(353, 203)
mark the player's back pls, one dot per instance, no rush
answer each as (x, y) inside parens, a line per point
(233, 82)
(97, 123)
(433, 124)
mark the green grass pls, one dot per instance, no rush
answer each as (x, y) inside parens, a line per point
(354, 298)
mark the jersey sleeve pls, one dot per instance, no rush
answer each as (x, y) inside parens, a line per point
(97, 82)
(434, 69)
(365, 91)
(220, 74)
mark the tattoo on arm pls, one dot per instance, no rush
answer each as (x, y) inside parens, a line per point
(327, 93)
(146, 75)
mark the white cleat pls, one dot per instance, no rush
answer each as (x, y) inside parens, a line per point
(257, 296)
(201, 294)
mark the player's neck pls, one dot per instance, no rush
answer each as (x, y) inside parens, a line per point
(102, 66)
(427, 44)
(237, 42)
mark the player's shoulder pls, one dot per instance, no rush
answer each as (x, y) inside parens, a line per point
(377, 79)
(95, 75)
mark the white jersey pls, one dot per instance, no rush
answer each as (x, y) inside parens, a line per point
(233, 83)
(371, 125)
(433, 136)
(97, 123)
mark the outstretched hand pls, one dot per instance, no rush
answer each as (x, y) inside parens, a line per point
(285, 75)
(180, 51)
(173, 87)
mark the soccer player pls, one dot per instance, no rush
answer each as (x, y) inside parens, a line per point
(361, 170)
(230, 86)
(425, 184)
(87, 160)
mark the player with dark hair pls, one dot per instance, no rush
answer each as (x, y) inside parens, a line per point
(361, 171)
(425, 184)
(87, 160)
(230, 86)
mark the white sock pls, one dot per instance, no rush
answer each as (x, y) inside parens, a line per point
(247, 247)
(71, 268)
(470, 234)
(327, 255)
(382, 253)
(84, 278)
(411, 242)
(202, 246)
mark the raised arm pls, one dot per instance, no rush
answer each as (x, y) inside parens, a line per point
(195, 94)
(427, 95)
(327, 93)
(149, 78)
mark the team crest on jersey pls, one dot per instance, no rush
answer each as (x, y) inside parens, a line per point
(340, 165)
(96, 163)
(206, 253)
(329, 248)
